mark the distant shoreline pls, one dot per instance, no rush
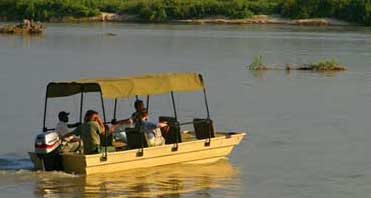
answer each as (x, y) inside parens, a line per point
(263, 19)
(256, 19)
(293, 12)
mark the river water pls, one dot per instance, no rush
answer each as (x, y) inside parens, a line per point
(309, 133)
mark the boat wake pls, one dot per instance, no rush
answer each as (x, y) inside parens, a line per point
(15, 162)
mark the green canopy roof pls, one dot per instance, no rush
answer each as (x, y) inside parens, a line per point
(125, 87)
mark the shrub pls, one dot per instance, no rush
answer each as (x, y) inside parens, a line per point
(257, 64)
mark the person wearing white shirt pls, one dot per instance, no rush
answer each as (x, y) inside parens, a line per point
(152, 130)
(70, 142)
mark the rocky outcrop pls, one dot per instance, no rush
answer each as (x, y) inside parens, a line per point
(27, 27)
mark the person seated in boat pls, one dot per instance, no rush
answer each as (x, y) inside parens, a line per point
(152, 129)
(90, 131)
(70, 142)
(139, 107)
(120, 125)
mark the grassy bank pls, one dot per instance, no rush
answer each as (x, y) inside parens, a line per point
(164, 10)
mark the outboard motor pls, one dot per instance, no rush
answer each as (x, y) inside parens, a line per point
(47, 142)
(47, 147)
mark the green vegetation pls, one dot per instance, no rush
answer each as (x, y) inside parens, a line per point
(44, 10)
(257, 64)
(146, 10)
(110, 34)
(323, 65)
(358, 11)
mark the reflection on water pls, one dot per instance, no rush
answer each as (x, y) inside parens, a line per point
(25, 41)
(169, 181)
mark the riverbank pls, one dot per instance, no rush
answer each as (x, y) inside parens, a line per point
(256, 19)
(297, 12)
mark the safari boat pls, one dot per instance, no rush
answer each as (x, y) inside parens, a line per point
(203, 145)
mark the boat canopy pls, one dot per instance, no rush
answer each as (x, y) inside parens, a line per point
(125, 87)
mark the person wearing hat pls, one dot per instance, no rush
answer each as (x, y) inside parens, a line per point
(70, 142)
(62, 127)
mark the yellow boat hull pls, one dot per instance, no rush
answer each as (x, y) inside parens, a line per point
(188, 152)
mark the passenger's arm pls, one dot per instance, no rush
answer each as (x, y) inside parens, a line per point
(125, 121)
(162, 124)
(74, 125)
(100, 123)
(116, 123)
(76, 132)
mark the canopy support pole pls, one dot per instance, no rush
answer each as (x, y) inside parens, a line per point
(81, 102)
(115, 109)
(103, 110)
(104, 156)
(173, 101)
(147, 105)
(208, 118)
(45, 106)
(175, 148)
(206, 104)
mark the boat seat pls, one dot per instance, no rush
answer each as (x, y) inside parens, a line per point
(204, 128)
(135, 139)
(173, 135)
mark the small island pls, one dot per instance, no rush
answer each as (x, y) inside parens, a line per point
(325, 65)
(320, 66)
(27, 27)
